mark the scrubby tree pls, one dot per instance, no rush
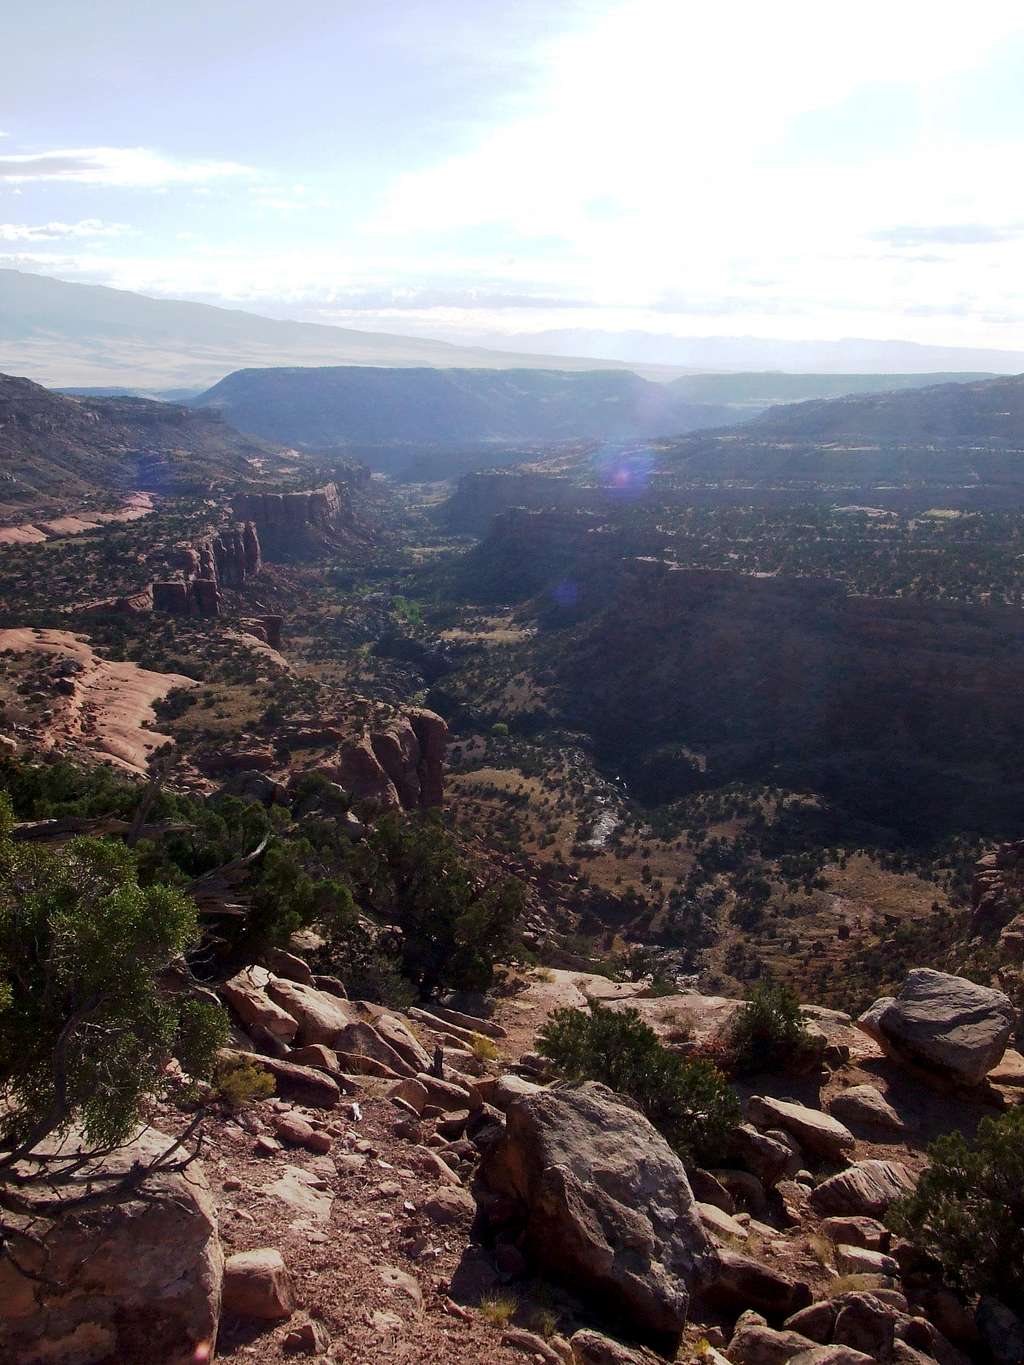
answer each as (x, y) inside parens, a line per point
(769, 1032)
(968, 1209)
(85, 1030)
(455, 926)
(688, 1100)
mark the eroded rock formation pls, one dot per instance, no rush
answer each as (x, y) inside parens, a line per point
(225, 560)
(397, 767)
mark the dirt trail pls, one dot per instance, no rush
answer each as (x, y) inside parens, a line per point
(111, 704)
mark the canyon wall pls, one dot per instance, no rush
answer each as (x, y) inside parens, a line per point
(910, 707)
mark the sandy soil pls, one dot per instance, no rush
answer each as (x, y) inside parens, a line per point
(136, 506)
(112, 703)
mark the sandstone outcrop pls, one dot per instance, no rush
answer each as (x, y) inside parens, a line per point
(135, 1281)
(398, 767)
(227, 559)
(603, 1203)
(947, 1025)
(292, 525)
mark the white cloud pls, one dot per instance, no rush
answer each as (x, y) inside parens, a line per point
(126, 167)
(55, 232)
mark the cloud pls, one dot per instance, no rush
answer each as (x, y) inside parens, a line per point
(948, 234)
(120, 166)
(57, 232)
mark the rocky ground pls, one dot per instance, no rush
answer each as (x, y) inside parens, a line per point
(369, 1212)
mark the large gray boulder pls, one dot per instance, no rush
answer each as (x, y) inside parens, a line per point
(945, 1024)
(129, 1282)
(604, 1205)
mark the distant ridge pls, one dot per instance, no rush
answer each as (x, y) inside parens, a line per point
(350, 405)
(69, 335)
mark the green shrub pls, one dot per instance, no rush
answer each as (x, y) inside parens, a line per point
(688, 1101)
(85, 1031)
(769, 1033)
(968, 1209)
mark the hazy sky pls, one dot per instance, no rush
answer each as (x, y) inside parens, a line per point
(475, 170)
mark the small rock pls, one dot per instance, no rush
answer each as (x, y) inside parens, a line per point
(449, 1205)
(310, 1339)
(291, 1128)
(257, 1285)
(531, 1343)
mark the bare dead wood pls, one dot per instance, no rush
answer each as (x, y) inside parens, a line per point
(72, 826)
(212, 887)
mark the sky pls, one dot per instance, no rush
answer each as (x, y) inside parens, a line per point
(530, 172)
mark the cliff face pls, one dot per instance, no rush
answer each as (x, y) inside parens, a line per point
(484, 494)
(792, 680)
(293, 526)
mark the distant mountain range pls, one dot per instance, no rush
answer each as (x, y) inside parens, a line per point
(89, 336)
(850, 355)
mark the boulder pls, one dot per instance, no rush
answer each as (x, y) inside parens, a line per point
(446, 1095)
(866, 1188)
(320, 1016)
(410, 1092)
(854, 1260)
(754, 1343)
(591, 1348)
(816, 1132)
(246, 993)
(289, 965)
(449, 1204)
(1001, 1330)
(815, 1321)
(832, 1355)
(360, 1039)
(399, 1036)
(257, 1285)
(316, 1055)
(865, 1323)
(864, 1107)
(130, 1282)
(604, 1205)
(765, 1156)
(858, 1232)
(740, 1282)
(947, 1025)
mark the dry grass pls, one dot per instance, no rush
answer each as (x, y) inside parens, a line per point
(498, 1309)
